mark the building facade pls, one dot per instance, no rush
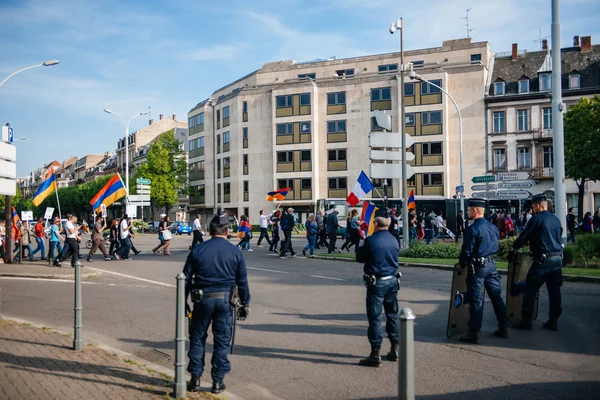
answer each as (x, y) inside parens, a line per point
(306, 126)
(519, 113)
(85, 164)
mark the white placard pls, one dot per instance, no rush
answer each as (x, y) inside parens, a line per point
(103, 210)
(132, 211)
(49, 212)
(27, 215)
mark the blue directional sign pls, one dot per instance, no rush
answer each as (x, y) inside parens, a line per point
(11, 135)
(460, 189)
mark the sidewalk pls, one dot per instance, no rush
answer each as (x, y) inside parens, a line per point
(38, 363)
(41, 269)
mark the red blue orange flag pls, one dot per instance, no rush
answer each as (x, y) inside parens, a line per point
(45, 189)
(411, 200)
(368, 216)
(278, 194)
(111, 192)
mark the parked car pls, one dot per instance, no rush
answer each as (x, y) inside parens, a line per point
(181, 227)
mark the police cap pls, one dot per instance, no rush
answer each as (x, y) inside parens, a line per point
(476, 203)
(219, 220)
(383, 213)
(538, 197)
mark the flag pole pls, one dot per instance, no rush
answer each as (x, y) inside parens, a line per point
(58, 202)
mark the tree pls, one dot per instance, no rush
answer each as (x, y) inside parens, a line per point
(582, 144)
(166, 167)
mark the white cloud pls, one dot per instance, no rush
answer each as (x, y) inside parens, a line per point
(216, 52)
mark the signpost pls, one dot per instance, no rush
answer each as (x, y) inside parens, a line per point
(515, 185)
(135, 198)
(484, 178)
(8, 134)
(514, 176)
(491, 186)
(460, 189)
(390, 171)
(513, 194)
(143, 181)
(142, 198)
(485, 195)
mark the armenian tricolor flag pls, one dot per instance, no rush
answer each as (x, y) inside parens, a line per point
(45, 189)
(15, 216)
(278, 194)
(411, 200)
(368, 216)
(111, 192)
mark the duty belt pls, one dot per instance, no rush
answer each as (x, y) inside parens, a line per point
(216, 295)
(385, 278)
(554, 254)
(483, 260)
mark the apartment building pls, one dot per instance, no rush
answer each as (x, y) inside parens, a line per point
(519, 112)
(306, 126)
(65, 175)
(85, 164)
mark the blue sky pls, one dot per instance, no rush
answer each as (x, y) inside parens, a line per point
(128, 55)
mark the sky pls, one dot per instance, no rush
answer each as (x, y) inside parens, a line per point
(129, 55)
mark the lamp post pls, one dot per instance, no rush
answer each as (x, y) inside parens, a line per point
(106, 110)
(413, 75)
(213, 102)
(48, 63)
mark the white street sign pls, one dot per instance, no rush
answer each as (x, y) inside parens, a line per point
(515, 185)
(132, 211)
(8, 152)
(139, 197)
(8, 169)
(485, 195)
(27, 215)
(389, 139)
(49, 212)
(391, 155)
(140, 204)
(390, 171)
(490, 186)
(143, 193)
(8, 134)
(513, 176)
(8, 187)
(513, 194)
(147, 187)
(382, 119)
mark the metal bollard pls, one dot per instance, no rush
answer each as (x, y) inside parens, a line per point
(179, 386)
(78, 321)
(406, 355)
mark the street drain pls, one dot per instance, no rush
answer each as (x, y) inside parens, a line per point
(155, 356)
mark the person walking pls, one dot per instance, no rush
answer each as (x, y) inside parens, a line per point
(571, 225)
(55, 238)
(71, 246)
(264, 233)
(98, 240)
(115, 243)
(124, 236)
(288, 224)
(25, 241)
(214, 271)
(395, 218)
(40, 238)
(460, 225)
(428, 227)
(332, 226)
(440, 227)
(164, 235)
(596, 221)
(322, 234)
(412, 226)
(244, 232)
(348, 234)
(275, 231)
(509, 225)
(587, 225)
(311, 235)
(197, 231)
(500, 223)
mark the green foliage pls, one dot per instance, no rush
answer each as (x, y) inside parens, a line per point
(569, 255)
(504, 247)
(436, 250)
(588, 248)
(166, 167)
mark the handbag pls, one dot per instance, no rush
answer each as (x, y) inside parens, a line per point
(166, 235)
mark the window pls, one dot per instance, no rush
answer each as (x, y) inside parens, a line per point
(336, 98)
(387, 68)
(548, 157)
(305, 99)
(226, 188)
(336, 126)
(574, 81)
(545, 81)
(432, 149)
(245, 133)
(192, 144)
(337, 183)
(226, 163)
(344, 72)
(219, 168)
(523, 120)
(336, 155)
(200, 121)
(475, 58)
(409, 89)
(306, 184)
(226, 137)
(191, 122)
(547, 117)
(244, 106)
(218, 119)
(285, 156)
(311, 75)
(283, 101)
(246, 186)
(499, 159)
(426, 88)
(285, 129)
(200, 142)
(431, 118)
(304, 127)
(305, 155)
(381, 94)
(226, 112)
(524, 86)
(499, 121)
(524, 157)
(433, 179)
(499, 88)
(418, 64)
(285, 183)
(410, 119)
(245, 160)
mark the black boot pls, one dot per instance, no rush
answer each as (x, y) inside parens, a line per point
(472, 338)
(501, 332)
(194, 385)
(218, 387)
(551, 324)
(374, 360)
(524, 324)
(393, 354)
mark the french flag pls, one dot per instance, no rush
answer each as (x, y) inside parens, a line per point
(362, 187)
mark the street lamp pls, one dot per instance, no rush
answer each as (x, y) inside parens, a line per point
(44, 64)
(106, 110)
(413, 75)
(213, 102)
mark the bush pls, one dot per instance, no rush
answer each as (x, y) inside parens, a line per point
(569, 254)
(436, 250)
(587, 248)
(504, 247)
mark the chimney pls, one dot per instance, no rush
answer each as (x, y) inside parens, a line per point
(576, 41)
(160, 116)
(586, 44)
(150, 122)
(174, 117)
(515, 51)
(545, 44)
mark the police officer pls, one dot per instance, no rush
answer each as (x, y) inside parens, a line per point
(379, 253)
(480, 243)
(212, 271)
(544, 233)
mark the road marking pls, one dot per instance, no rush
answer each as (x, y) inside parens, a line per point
(136, 278)
(268, 270)
(327, 277)
(17, 278)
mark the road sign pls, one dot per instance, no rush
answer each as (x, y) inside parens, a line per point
(390, 171)
(143, 181)
(8, 152)
(389, 139)
(143, 192)
(513, 194)
(484, 178)
(514, 176)
(8, 134)
(8, 169)
(515, 185)
(27, 215)
(139, 197)
(140, 186)
(139, 203)
(489, 186)
(8, 187)
(390, 155)
(49, 212)
(382, 119)
(485, 195)
(460, 189)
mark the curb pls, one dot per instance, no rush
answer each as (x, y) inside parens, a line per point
(121, 354)
(92, 274)
(568, 278)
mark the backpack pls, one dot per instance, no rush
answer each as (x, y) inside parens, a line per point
(284, 223)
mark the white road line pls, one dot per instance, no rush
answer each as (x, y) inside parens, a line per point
(268, 270)
(327, 277)
(17, 278)
(136, 278)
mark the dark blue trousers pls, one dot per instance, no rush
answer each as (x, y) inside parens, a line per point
(549, 272)
(485, 277)
(384, 293)
(217, 311)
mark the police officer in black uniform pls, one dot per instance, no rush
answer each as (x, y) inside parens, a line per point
(480, 243)
(379, 253)
(212, 271)
(544, 233)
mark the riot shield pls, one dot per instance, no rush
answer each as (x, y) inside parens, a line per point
(515, 286)
(458, 314)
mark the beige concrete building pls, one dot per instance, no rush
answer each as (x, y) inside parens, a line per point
(306, 126)
(85, 164)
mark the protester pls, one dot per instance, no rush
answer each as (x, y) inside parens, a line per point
(164, 235)
(275, 231)
(311, 234)
(25, 241)
(40, 237)
(244, 232)
(287, 224)
(264, 224)
(571, 225)
(115, 243)
(98, 240)
(55, 239)
(587, 225)
(124, 236)
(332, 226)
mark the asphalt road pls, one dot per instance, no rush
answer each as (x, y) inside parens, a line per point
(307, 330)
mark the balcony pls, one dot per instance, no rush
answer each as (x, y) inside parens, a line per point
(542, 134)
(543, 173)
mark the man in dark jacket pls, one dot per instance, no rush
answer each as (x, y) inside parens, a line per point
(288, 223)
(331, 226)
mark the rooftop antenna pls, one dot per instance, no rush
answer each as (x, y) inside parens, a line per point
(540, 40)
(149, 113)
(466, 17)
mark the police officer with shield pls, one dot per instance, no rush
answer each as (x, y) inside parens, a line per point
(215, 273)
(480, 243)
(544, 233)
